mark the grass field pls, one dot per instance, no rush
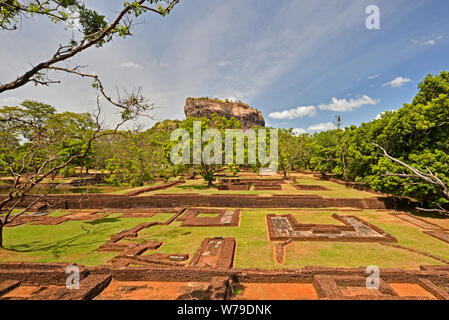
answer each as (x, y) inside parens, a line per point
(200, 187)
(73, 241)
(77, 241)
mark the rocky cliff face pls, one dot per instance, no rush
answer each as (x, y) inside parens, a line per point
(202, 107)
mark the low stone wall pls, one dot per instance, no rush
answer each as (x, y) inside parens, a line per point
(14, 271)
(235, 186)
(108, 201)
(327, 281)
(260, 187)
(306, 187)
(37, 273)
(254, 181)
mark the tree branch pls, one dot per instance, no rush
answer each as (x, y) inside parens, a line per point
(66, 52)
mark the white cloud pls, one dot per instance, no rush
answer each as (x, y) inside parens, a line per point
(397, 82)
(343, 105)
(382, 113)
(224, 63)
(428, 42)
(322, 126)
(340, 105)
(298, 112)
(131, 65)
(298, 131)
(374, 76)
(194, 43)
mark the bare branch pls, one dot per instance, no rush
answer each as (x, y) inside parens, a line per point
(429, 178)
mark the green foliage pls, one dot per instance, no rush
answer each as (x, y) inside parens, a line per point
(294, 151)
(68, 171)
(235, 169)
(33, 134)
(136, 158)
(417, 134)
(91, 21)
(207, 171)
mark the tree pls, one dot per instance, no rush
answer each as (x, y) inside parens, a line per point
(37, 158)
(288, 150)
(135, 158)
(429, 178)
(206, 170)
(44, 144)
(416, 139)
(324, 154)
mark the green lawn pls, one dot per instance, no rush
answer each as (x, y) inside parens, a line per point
(255, 251)
(73, 241)
(76, 241)
(200, 187)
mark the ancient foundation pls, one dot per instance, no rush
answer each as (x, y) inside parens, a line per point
(218, 218)
(281, 228)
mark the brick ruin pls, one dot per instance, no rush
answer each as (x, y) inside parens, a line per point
(440, 235)
(261, 187)
(38, 281)
(280, 251)
(416, 221)
(241, 186)
(164, 200)
(215, 253)
(131, 253)
(306, 187)
(137, 272)
(245, 184)
(219, 218)
(354, 288)
(42, 218)
(285, 227)
(430, 229)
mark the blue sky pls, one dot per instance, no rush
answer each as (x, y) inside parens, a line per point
(300, 62)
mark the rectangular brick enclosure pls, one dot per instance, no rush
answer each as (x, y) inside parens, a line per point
(286, 227)
(234, 186)
(245, 184)
(215, 253)
(274, 186)
(218, 217)
(305, 187)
